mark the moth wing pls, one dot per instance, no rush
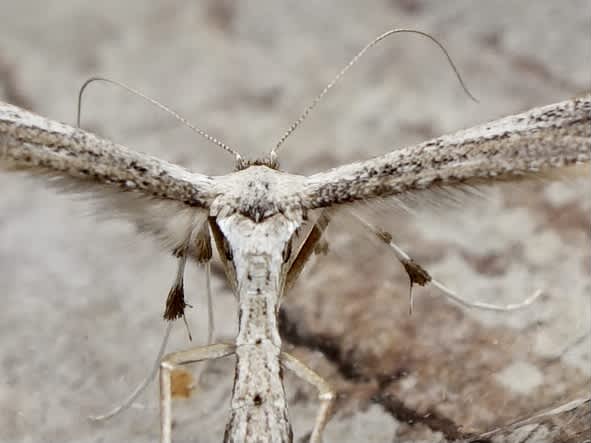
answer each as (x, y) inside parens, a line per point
(160, 198)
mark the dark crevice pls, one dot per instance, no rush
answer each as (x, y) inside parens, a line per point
(329, 347)
(431, 418)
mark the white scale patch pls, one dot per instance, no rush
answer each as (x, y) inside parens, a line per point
(520, 377)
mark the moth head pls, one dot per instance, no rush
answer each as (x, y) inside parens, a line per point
(253, 251)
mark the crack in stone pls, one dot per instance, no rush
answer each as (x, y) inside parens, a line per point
(432, 419)
(327, 345)
(330, 348)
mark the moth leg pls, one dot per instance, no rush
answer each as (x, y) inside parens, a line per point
(310, 245)
(200, 250)
(418, 275)
(142, 386)
(175, 304)
(175, 308)
(210, 318)
(198, 247)
(168, 364)
(326, 394)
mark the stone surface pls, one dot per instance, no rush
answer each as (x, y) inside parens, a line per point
(82, 300)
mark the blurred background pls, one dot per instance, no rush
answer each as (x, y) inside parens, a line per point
(82, 300)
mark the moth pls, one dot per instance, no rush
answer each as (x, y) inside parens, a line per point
(266, 222)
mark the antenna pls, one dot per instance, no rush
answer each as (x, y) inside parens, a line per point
(354, 60)
(199, 131)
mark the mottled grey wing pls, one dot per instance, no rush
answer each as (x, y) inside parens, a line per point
(542, 140)
(164, 199)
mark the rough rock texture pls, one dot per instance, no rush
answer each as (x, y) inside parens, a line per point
(82, 300)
